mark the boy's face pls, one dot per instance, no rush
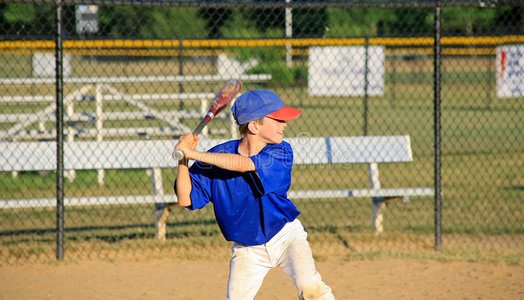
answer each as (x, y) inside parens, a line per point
(272, 131)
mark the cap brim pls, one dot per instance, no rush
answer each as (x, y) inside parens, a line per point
(285, 114)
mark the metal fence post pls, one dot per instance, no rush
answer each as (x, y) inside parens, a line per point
(438, 212)
(59, 136)
(181, 70)
(289, 34)
(366, 83)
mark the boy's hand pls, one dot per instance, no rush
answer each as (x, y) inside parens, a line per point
(187, 143)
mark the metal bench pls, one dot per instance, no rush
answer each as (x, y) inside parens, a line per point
(156, 154)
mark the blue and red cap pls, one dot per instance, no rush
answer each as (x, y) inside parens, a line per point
(257, 104)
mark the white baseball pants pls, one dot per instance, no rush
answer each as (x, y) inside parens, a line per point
(288, 249)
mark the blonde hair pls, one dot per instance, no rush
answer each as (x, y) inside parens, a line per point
(243, 129)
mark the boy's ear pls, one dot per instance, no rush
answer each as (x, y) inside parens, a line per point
(253, 127)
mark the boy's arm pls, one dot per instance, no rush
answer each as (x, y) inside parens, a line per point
(227, 161)
(183, 184)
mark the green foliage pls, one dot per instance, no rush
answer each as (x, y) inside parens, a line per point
(26, 19)
(215, 18)
(309, 22)
(240, 26)
(281, 74)
(172, 22)
(356, 22)
(377, 22)
(300, 75)
(266, 18)
(122, 21)
(23, 13)
(510, 19)
(407, 22)
(154, 23)
(270, 58)
(466, 20)
(415, 22)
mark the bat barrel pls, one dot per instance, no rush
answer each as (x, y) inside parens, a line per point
(222, 99)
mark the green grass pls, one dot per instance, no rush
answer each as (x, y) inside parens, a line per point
(482, 175)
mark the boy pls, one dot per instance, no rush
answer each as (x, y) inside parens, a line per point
(247, 180)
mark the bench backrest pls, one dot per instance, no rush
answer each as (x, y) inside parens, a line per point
(143, 154)
(352, 149)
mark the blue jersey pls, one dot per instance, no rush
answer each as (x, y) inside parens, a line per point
(251, 207)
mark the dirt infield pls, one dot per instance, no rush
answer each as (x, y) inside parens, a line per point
(206, 279)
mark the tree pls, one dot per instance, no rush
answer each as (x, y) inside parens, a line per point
(357, 21)
(215, 18)
(509, 20)
(27, 19)
(407, 22)
(466, 20)
(137, 22)
(173, 22)
(309, 22)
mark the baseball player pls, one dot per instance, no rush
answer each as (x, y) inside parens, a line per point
(247, 181)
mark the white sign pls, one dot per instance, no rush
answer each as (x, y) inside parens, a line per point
(510, 71)
(340, 71)
(86, 19)
(44, 65)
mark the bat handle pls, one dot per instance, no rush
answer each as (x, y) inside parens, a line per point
(178, 154)
(203, 123)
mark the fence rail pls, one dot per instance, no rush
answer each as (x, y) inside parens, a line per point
(194, 47)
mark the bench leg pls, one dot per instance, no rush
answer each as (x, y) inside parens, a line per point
(161, 213)
(379, 206)
(378, 202)
(161, 209)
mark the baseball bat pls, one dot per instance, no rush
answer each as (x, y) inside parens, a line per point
(221, 100)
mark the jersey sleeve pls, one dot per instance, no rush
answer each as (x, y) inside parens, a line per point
(201, 185)
(204, 175)
(273, 169)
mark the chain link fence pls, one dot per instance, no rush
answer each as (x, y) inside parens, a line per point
(135, 77)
